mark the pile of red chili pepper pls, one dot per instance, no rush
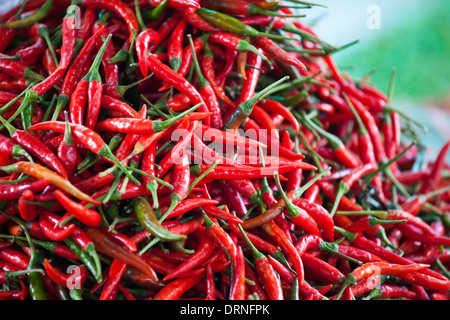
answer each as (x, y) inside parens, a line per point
(128, 171)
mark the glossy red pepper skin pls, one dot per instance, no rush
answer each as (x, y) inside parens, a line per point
(116, 272)
(278, 235)
(143, 42)
(87, 216)
(27, 211)
(118, 7)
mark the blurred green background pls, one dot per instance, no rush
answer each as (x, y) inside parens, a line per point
(413, 38)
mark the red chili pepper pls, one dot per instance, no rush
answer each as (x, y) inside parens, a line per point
(16, 69)
(13, 191)
(89, 138)
(190, 204)
(225, 137)
(143, 41)
(77, 277)
(15, 257)
(67, 50)
(175, 289)
(116, 272)
(237, 290)
(95, 88)
(426, 278)
(166, 74)
(51, 231)
(74, 73)
(175, 48)
(180, 181)
(372, 129)
(37, 148)
(27, 211)
(177, 152)
(118, 7)
(269, 278)
(412, 232)
(344, 203)
(87, 216)
(272, 50)
(208, 68)
(436, 170)
(207, 154)
(288, 248)
(202, 253)
(68, 152)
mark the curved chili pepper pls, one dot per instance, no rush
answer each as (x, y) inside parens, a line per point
(118, 7)
(348, 181)
(10, 149)
(148, 220)
(196, 20)
(278, 108)
(321, 269)
(207, 133)
(52, 232)
(272, 50)
(87, 216)
(143, 41)
(234, 42)
(299, 216)
(67, 50)
(112, 103)
(36, 49)
(78, 275)
(165, 73)
(345, 203)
